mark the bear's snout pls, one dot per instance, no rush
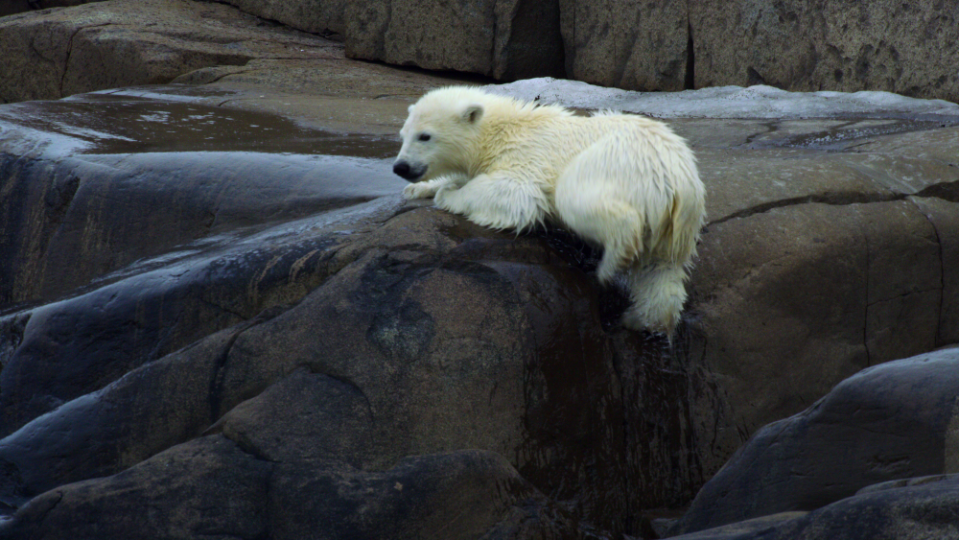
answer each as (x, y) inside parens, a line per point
(404, 170)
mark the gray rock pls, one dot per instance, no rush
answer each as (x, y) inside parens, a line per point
(305, 417)
(816, 265)
(168, 496)
(502, 39)
(57, 53)
(827, 45)
(627, 44)
(240, 301)
(887, 422)
(741, 530)
(213, 186)
(323, 17)
(174, 495)
(925, 508)
(419, 332)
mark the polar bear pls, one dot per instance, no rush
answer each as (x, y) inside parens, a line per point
(623, 181)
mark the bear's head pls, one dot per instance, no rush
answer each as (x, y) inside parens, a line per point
(440, 134)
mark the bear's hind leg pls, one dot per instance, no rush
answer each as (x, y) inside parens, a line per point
(621, 239)
(658, 292)
(589, 211)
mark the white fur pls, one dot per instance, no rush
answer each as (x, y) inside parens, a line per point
(626, 182)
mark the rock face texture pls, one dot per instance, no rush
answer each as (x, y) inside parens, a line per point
(342, 334)
(56, 53)
(285, 315)
(817, 265)
(323, 17)
(655, 46)
(828, 45)
(923, 507)
(638, 45)
(628, 44)
(891, 421)
(9, 7)
(218, 318)
(508, 39)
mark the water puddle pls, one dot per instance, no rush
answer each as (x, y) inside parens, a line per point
(123, 123)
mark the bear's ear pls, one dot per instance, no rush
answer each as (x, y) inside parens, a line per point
(410, 109)
(473, 113)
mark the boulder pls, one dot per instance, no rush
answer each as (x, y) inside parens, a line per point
(628, 44)
(321, 17)
(921, 508)
(68, 229)
(827, 45)
(816, 265)
(228, 260)
(505, 40)
(56, 53)
(431, 334)
(170, 496)
(892, 421)
(794, 45)
(267, 279)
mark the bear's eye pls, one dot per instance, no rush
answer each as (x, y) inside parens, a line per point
(424, 137)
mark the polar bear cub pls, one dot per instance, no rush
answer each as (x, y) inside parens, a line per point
(623, 181)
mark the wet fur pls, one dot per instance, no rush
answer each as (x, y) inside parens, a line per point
(625, 182)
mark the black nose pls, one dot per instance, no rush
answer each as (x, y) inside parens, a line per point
(401, 168)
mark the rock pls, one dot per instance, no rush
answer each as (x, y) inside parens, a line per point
(827, 45)
(420, 333)
(823, 303)
(434, 378)
(170, 495)
(802, 46)
(333, 421)
(14, 6)
(56, 246)
(179, 265)
(740, 530)
(58, 53)
(327, 298)
(504, 40)
(632, 45)
(887, 422)
(324, 18)
(812, 277)
(920, 508)
(10, 7)
(167, 496)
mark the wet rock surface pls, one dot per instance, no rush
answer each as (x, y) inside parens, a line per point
(212, 293)
(327, 326)
(174, 292)
(922, 507)
(886, 422)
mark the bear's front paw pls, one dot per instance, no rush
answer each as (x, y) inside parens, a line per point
(418, 191)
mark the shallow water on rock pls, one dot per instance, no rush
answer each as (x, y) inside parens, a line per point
(113, 123)
(98, 181)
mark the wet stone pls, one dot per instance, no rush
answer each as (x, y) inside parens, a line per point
(199, 280)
